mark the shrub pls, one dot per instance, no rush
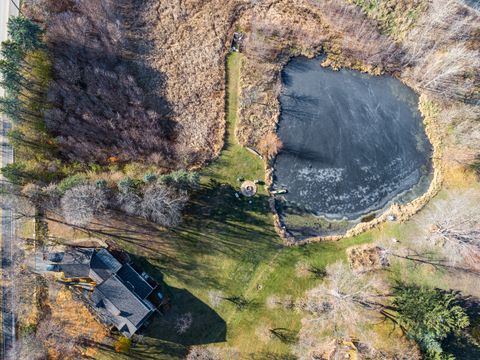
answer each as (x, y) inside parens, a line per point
(126, 185)
(181, 180)
(270, 145)
(71, 181)
(123, 345)
(101, 184)
(149, 178)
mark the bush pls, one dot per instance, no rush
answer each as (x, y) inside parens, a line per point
(71, 181)
(181, 180)
(123, 345)
(101, 184)
(127, 185)
(269, 145)
(149, 178)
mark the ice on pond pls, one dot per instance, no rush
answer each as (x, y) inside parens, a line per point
(352, 142)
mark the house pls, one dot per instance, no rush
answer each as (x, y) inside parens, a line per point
(120, 294)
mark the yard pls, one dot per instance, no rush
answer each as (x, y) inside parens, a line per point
(228, 244)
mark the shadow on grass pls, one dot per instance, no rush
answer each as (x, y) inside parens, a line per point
(217, 224)
(206, 327)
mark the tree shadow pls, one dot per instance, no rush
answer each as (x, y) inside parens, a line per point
(286, 336)
(216, 222)
(207, 326)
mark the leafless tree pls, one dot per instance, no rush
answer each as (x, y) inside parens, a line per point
(344, 302)
(129, 202)
(439, 49)
(11, 196)
(183, 323)
(163, 205)
(29, 348)
(453, 226)
(202, 353)
(81, 203)
(212, 353)
(216, 297)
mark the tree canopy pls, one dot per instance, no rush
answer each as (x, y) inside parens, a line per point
(429, 316)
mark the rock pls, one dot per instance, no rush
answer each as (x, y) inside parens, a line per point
(391, 217)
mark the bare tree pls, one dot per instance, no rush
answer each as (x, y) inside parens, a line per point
(163, 205)
(439, 48)
(453, 226)
(81, 203)
(29, 348)
(129, 202)
(343, 305)
(212, 353)
(202, 353)
(216, 297)
(183, 323)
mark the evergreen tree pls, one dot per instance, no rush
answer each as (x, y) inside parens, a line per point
(24, 32)
(11, 77)
(17, 173)
(429, 316)
(11, 51)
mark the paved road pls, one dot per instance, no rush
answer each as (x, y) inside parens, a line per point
(7, 9)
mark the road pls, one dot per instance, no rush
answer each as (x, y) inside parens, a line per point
(7, 9)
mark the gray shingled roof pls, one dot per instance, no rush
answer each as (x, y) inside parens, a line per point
(75, 270)
(134, 281)
(133, 311)
(120, 294)
(76, 263)
(103, 264)
(77, 256)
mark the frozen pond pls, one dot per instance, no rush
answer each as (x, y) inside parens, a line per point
(352, 142)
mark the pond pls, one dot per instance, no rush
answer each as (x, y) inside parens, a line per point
(352, 144)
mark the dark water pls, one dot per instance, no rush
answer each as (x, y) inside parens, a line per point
(352, 142)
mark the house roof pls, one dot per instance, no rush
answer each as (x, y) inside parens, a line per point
(132, 311)
(77, 256)
(120, 293)
(103, 264)
(75, 263)
(75, 270)
(134, 281)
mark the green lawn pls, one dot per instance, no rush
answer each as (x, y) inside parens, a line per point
(227, 244)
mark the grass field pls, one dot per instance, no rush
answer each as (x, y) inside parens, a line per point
(229, 245)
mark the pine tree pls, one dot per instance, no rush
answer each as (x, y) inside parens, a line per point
(25, 33)
(429, 316)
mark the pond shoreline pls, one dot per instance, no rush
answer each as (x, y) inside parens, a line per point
(400, 212)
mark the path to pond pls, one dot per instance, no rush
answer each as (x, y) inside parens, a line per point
(352, 142)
